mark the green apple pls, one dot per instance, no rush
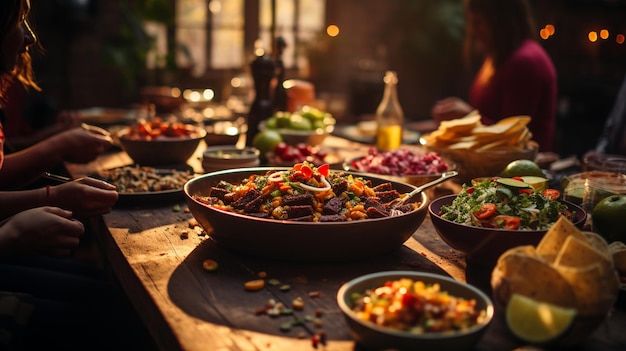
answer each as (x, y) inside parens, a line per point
(609, 218)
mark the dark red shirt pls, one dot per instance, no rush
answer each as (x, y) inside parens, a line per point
(525, 84)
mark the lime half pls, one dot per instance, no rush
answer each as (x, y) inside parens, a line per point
(537, 322)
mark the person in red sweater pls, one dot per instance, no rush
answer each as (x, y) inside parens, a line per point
(517, 76)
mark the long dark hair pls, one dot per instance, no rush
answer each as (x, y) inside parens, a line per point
(12, 13)
(509, 21)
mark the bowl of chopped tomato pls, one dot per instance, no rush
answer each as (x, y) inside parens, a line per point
(159, 143)
(408, 310)
(305, 213)
(493, 215)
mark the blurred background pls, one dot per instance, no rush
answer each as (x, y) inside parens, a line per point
(111, 53)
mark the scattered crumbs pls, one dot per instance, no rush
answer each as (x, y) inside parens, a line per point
(315, 294)
(254, 285)
(273, 282)
(176, 208)
(193, 223)
(209, 265)
(186, 210)
(199, 231)
(297, 304)
(318, 339)
(184, 235)
(262, 275)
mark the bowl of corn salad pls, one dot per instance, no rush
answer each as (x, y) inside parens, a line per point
(408, 310)
(305, 212)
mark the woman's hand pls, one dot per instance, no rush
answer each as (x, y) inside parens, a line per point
(42, 230)
(78, 145)
(85, 196)
(450, 108)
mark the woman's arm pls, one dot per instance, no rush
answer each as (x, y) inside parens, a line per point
(84, 197)
(75, 145)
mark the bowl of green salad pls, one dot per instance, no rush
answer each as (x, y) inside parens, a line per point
(488, 217)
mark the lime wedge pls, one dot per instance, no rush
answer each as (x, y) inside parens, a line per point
(537, 322)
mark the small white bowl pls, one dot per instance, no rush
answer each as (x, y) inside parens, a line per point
(221, 157)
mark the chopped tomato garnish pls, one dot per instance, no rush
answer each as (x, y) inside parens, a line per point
(526, 191)
(486, 210)
(323, 169)
(508, 222)
(307, 172)
(470, 190)
(551, 194)
(518, 178)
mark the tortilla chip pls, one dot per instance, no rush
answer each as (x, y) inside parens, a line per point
(555, 237)
(462, 125)
(578, 253)
(507, 125)
(530, 275)
(595, 294)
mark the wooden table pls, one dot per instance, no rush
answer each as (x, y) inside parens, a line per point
(188, 308)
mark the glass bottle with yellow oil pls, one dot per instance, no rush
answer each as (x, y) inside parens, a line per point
(389, 116)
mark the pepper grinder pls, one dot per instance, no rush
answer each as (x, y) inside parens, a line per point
(262, 108)
(280, 94)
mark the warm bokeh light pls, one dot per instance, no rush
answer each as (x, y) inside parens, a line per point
(197, 95)
(604, 33)
(258, 48)
(619, 39)
(593, 36)
(236, 82)
(547, 31)
(332, 30)
(289, 83)
(215, 6)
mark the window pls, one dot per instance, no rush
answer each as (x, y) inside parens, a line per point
(210, 33)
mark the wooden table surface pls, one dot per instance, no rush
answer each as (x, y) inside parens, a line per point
(188, 308)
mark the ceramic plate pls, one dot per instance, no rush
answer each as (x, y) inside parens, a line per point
(152, 198)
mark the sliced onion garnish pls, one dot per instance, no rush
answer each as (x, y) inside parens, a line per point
(312, 188)
(276, 177)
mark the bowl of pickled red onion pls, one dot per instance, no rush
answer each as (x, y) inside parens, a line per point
(413, 166)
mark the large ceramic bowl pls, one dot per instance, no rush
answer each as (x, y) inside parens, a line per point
(161, 151)
(377, 337)
(482, 246)
(300, 241)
